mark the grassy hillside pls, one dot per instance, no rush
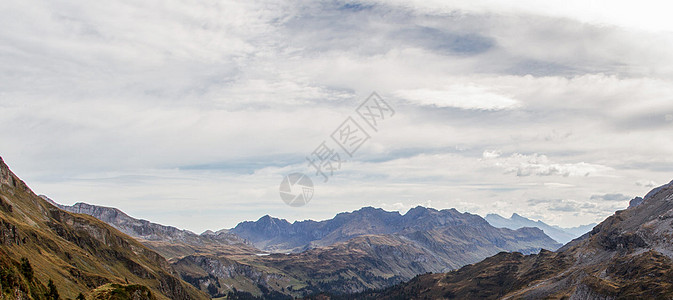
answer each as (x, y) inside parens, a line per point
(77, 252)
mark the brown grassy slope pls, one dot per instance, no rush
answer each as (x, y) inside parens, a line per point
(77, 251)
(177, 250)
(122, 292)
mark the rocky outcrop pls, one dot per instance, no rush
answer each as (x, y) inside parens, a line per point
(635, 202)
(9, 234)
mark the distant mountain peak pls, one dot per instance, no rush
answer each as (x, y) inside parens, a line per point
(418, 210)
(422, 210)
(516, 221)
(267, 219)
(368, 208)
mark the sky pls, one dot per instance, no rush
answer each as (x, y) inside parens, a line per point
(190, 113)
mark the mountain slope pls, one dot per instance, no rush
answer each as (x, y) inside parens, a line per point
(77, 252)
(168, 241)
(627, 256)
(561, 235)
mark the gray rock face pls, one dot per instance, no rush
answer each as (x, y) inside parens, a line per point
(635, 202)
(559, 234)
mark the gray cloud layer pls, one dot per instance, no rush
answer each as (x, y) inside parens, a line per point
(190, 112)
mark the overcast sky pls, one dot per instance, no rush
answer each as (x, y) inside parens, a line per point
(190, 112)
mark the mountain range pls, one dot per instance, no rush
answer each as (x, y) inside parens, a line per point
(627, 256)
(559, 234)
(101, 251)
(354, 251)
(278, 235)
(365, 249)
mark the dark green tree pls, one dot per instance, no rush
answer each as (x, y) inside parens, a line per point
(52, 293)
(26, 269)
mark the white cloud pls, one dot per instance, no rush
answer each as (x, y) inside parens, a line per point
(491, 154)
(541, 165)
(646, 183)
(459, 96)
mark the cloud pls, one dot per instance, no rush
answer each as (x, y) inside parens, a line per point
(646, 183)
(443, 41)
(542, 201)
(541, 165)
(491, 154)
(198, 109)
(645, 15)
(465, 97)
(564, 207)
(611, 197)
